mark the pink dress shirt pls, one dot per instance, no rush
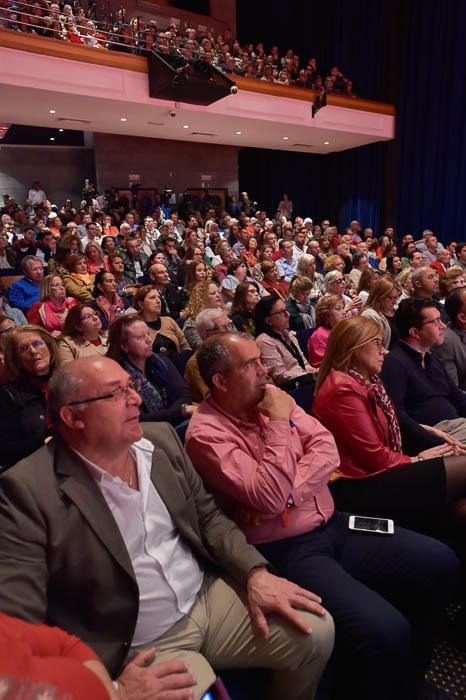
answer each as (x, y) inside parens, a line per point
(254, 469)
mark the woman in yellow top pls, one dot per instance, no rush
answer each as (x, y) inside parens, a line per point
(78, 282)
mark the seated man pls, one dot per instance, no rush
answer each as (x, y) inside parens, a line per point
(286, 263)
(452, 352)
(173, 300)
(113, 538)
(418, 382)
(269, 464)
(135, 261)
(25, 292)
(208, 322)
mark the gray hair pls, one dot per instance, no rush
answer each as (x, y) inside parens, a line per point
(29, 259)
(214, 357)
(303, 262)
(330, 277)
(416, 275)
(63, 388)
(205, 319)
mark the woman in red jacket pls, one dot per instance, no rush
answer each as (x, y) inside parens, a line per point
(37, 661)
(376, 477)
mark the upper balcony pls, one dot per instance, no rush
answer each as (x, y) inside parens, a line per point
(51, 83)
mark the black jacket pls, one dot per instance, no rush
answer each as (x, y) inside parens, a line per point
(23, 424)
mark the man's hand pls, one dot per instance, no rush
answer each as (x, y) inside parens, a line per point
(270, 594)
(459, 447)
(276, 404)
(169, 680)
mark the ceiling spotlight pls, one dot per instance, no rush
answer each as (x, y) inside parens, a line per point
(123, 119)
(52, 111)
(185, 126)
(285, 138)
(326, 143)
(61, 130)
(238, 133)
(52, 139)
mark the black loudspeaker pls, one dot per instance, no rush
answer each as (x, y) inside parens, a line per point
(195, 82)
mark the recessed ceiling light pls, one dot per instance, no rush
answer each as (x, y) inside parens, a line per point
(52, 139)
(239, 133)
(326, 143)
(185, 126)
(52, 111)
(123, 119)
(61, 130)
(285, 138)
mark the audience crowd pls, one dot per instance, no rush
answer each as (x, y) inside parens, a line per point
(139, 35)
(308, 372)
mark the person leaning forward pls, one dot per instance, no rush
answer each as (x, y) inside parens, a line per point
(112, 537)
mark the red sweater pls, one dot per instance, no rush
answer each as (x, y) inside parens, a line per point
(45, 662)
(359, 426)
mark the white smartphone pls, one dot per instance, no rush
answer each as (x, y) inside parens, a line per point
(380, 526)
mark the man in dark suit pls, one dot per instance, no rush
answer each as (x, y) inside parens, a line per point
(113, 538)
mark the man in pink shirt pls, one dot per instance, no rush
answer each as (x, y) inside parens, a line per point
(269, 464)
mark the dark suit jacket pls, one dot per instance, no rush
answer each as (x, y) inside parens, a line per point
(63, 560)
(453, 355)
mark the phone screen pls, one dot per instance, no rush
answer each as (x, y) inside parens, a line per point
(373, 524)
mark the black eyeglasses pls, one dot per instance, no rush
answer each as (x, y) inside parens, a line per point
(118, 393)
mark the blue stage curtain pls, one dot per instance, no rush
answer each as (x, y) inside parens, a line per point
(432, 119)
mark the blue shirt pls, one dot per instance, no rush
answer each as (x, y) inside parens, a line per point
(286, 268)
(24, 293)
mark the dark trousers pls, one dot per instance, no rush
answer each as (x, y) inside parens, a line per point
(386, 593)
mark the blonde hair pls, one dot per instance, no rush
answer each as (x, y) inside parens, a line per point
(448, 277)
(348, 336)
(381, 290)
(300, 283)
(332, 261)
(45, 286)
(324, 306)
(198, 299)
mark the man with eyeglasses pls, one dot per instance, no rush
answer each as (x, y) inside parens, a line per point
(208, 323)
(113, 537)
(426, 399)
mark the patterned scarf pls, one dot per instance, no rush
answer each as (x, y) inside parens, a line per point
(153, 398)
(377, 390)
(111, 309)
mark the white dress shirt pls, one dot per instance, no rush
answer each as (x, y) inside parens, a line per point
(167, 573)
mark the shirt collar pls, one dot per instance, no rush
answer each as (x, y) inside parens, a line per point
(99, 474)
(415, 353)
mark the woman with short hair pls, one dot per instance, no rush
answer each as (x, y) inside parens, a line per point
(335, 283)
(306, 267)
(82, 334)
(78, 282)
(280, 351)
(164, 393)
(299, 305)
(271, 281)
(330, 309)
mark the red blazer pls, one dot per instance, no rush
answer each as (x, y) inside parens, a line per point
(45, 659)
(359, 426)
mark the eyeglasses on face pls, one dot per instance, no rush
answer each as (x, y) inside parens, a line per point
(339, 281)
(35, 345)
(221, 329)
(116, 394)
(88, 316)
(437, 321)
